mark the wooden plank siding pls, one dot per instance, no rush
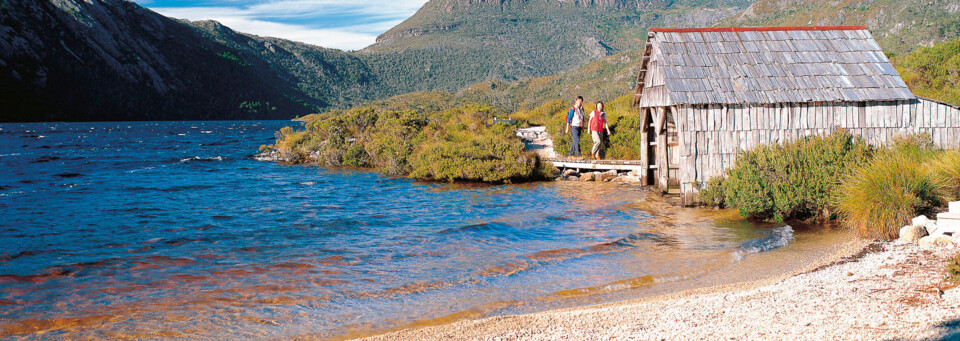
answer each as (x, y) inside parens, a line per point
(712, 135)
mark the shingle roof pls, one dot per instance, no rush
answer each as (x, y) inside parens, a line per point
(771, 65)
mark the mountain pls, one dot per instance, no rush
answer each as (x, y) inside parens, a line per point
(899, 26)
(450, 44)
(81, 60)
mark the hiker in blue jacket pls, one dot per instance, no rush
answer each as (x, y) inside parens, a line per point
(575, 120)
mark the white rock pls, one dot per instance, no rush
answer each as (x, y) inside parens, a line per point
(569, 172)
(912, 234)
(954, 206)
(948, 223)
(920, 220)
(930, 242)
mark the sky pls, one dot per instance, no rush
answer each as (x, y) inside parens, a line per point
(340, 24)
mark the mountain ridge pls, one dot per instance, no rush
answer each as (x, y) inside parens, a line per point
(115, 60)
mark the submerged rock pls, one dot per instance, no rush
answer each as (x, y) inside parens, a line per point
(607, 176)
(588, 176)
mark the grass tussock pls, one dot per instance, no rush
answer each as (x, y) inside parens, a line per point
(879, 197)
(946, 169)
(953, 270)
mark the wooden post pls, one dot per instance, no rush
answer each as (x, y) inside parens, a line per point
(644, 146)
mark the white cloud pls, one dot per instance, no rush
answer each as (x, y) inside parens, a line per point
(329, 23)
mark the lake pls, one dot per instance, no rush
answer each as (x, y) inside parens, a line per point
(166, 229)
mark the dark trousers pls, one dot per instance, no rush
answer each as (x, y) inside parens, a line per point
(575, 146)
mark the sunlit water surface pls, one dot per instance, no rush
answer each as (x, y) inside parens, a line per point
(165, 229)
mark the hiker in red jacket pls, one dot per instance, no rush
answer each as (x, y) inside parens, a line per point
(598, 122)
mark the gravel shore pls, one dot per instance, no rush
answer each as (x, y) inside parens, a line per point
(867, 292)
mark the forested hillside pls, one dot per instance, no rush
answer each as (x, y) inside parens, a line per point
(113, 60)
(899, 26)
(450, 44)
(933, 72)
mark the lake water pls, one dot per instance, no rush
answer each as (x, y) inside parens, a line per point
(165, 229)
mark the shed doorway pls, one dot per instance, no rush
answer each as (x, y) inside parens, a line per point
(673, 152)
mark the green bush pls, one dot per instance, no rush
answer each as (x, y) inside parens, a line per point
(793, 180)
(487, 158)
(624, 143)
(714, 194)
(459, 144)
(879, 197)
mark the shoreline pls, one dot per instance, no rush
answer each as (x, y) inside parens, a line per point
(865, 290)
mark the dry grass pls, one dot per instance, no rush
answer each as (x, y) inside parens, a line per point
(953, 270)
(898, 184)
(946, 167)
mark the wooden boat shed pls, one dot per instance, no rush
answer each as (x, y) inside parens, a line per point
(706, 94)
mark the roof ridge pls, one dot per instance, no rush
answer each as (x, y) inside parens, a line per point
(754, 29)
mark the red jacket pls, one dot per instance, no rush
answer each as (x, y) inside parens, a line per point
(597, 121)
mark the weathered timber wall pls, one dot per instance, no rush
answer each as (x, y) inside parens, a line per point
(712, 135)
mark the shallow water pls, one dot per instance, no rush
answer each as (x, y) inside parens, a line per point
(164, 229)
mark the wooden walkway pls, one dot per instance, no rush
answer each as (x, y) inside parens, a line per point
(598, 165)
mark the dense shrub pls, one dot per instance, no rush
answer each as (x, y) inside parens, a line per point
(624, 143)
(879, 197)
(448, 145)
(793, 180)
(488, 158)
(714, 194)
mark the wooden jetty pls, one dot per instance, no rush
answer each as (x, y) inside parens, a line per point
(581, 165)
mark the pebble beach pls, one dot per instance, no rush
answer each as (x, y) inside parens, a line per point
(866, 291)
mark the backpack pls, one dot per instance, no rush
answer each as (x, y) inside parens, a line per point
(577, 120)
